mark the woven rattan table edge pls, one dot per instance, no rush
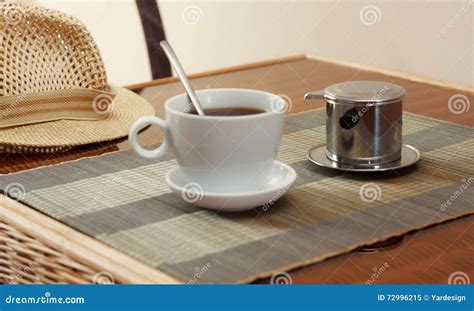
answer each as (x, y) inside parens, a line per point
(78, 246)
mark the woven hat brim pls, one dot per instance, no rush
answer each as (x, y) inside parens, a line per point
(127, 107)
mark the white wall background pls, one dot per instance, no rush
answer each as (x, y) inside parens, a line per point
(116, 28)
(428, 38)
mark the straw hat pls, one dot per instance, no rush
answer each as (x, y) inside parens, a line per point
(54, 93)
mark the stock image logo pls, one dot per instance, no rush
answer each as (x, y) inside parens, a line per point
(192, 192)
(281, 278)
(282, 104)
(458, 104)
(465, 184)
(377, 272)
(102, 104)
(103, 278)
(192, 15)
(200, 272)
(370, 192)
(278, 195)
(457, 17)
(16, 191)
(14, 15)
(459, 278)
(370, 15)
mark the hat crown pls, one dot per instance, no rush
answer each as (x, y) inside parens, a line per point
(46, 50)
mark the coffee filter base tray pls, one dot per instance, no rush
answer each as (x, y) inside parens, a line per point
(317, 155)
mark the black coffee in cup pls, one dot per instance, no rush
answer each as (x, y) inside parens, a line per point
(230, 111)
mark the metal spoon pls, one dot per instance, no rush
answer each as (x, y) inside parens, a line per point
(182, 76)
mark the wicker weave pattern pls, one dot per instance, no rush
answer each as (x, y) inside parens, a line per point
(25, 260)
(46, 50)
(54, 92)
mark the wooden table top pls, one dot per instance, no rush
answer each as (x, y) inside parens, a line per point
(426, 256)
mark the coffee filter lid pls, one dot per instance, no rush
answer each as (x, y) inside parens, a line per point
(365, 92)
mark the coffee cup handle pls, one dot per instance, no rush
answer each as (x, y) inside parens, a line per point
(139, 125)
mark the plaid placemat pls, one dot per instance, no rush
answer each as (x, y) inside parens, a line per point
(123, 200)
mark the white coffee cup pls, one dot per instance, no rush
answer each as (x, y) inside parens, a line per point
(231, 148)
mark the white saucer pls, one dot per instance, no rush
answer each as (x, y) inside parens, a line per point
(246, 195)
(317, 155)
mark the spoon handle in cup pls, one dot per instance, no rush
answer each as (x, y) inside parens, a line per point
(182, 75)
